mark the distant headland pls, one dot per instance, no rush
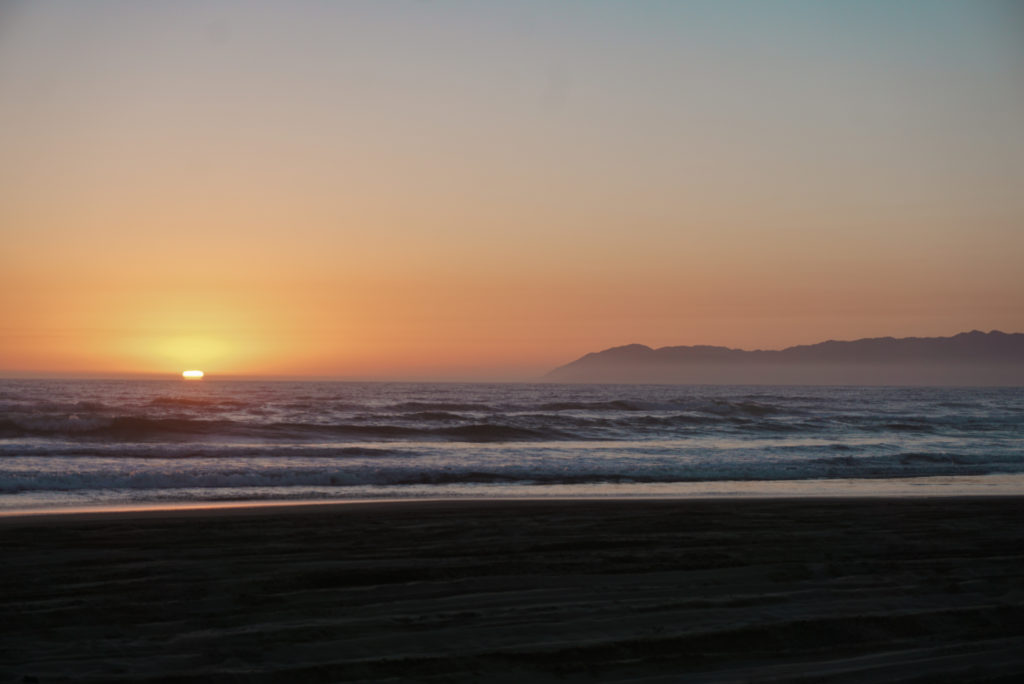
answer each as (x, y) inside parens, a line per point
(970, 358)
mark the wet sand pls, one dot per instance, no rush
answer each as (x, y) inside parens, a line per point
(843, 590)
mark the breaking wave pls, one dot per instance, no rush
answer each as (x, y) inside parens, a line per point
(142, 429)
(382, 469)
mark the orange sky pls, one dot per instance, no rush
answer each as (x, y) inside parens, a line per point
(473, 191)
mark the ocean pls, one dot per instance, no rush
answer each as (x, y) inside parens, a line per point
(92, 443)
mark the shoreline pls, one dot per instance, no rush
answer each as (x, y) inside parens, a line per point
(302, 507)
(989, 485)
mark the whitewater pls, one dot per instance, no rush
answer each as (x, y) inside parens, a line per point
(133, 442)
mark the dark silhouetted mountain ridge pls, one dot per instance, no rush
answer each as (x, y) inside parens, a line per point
(993, 358)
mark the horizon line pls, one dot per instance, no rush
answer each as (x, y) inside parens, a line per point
(456, 378)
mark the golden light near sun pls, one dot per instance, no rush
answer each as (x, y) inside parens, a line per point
(178, 352)
(192, 374)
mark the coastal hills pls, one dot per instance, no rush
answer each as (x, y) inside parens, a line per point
(970, 358)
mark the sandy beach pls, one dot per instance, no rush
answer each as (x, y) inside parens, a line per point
(509, 591)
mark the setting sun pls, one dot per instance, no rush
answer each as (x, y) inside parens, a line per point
(192, 374)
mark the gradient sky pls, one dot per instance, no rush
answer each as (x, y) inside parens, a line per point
(490, 189)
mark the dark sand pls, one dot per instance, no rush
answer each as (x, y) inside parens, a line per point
(576, 591)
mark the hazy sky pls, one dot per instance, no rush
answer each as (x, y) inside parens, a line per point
(490, 189)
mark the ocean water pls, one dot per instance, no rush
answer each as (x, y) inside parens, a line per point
(118, 443)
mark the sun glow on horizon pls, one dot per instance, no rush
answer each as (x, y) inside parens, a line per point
(193, 374)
